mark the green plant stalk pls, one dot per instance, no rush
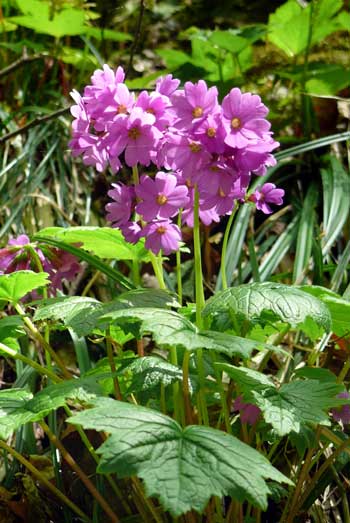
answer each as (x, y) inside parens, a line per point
(80, 473)
(321, 470)
(40, 477)
(200, 302)
(344, 499)
(178, 265)
(96, 458)
(135, 264)
(224, 247)
(344, 371)
(117, 392)
(158, 271)
(20, 357)
(37, 335)
(291, 506)
(178, 407)
(148, 502)
(186, 388)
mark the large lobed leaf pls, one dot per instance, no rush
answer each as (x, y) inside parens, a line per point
(169, 329)
(14, 286)
(292, 405)
(182, 467)
(18, 406)
(104, 242)
(259, 302)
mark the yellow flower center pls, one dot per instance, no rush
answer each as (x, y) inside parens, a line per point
(235, 123)
(122, 109)
(150, 110)
(161, 199)
(211, 132)
(161, 229)
(221, 193)
(197, 112)
(134, 133)
(195, 147)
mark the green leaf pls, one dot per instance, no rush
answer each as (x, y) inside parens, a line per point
(18, 406)
(290, 25)
(228, 41)
(37, 16)
(338, 307)
(263, 302)
(288, 28)
(173, 59)
(14, 286)
(305, 234)
(92, 260)
(170, 329)
(82, 313)
(107, 34)
(150, 371)
(292, 405)
(336, 195)
(104, 242)
(182, 467)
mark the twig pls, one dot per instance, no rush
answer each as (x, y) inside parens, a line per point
(25, 59)
(34, 123)
(136, 38)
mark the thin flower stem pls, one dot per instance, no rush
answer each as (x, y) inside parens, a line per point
(40, 477)
(74, 466)
(321, 470)
(200, 301)
(148, 502)
(158, 271)
(224, 247)
(186, 388)
(96, 458)
(117, 392)
(178, 265)
(178, 410)
(37, 335)
(291, 506)
(20, 357)
(344, 371)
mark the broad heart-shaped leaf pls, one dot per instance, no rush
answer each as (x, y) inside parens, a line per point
(338, 307)
(18, 406)
(259, 302)
(289, 407)
(82, 313)
(104, 242)
(16, 285)
(170, 329)
(150, 371)
(182, 467)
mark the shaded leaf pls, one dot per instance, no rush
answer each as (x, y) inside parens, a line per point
(182, 467)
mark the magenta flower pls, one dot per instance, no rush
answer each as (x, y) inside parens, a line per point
(249, 413)
(18, 255)
(160, 198)
(131, 231)
(183, 153)
(266, 194)
(119, 211)
(342, 413)
(167, 85)
(194, 104)
(134, 134)
(156, 104)
(162, 236)
(243, 117)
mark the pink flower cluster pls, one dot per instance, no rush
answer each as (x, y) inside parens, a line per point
(193, 142)
(18, 256)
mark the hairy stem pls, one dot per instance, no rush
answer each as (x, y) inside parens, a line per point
(224, 247)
